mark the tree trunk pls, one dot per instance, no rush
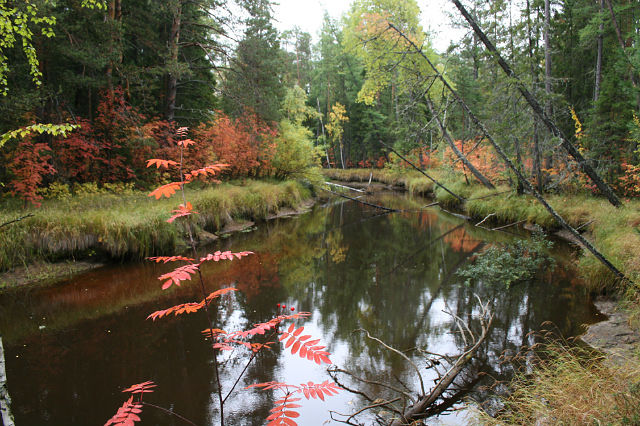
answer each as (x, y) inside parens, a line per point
(5, 400)
(537, 155)
(582, 162)
(504, 156)
(486, 182)
(596, 90)
(115, 15)
(172, 81)
(616, 27)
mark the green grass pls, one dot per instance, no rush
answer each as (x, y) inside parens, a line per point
(132, 226)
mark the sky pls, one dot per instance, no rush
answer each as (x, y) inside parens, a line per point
(308, 14)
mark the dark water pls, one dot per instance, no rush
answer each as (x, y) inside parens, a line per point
(71, 349)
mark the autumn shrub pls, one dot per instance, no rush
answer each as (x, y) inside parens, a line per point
(245, 143)
(29, 164)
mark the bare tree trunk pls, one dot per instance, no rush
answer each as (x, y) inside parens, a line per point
(486, 182)
(616, 27)
(546, 119)
(324, 137)
(547, 69)
(596, 90)
(537, 156)
(5, 400)
(174, 40)
(115, 15)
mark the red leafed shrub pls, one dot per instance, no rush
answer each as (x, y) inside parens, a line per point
(246, 144)
(77, 153)
(28, 164)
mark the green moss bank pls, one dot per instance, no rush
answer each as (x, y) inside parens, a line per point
(133, 226)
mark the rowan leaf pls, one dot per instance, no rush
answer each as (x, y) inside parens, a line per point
(165, 190)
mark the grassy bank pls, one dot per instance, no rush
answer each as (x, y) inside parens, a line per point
(568, 385)
(133, 225)
(615, 232)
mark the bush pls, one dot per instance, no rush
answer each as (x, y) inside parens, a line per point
(508, 264)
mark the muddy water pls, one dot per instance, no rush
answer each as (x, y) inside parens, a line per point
(70, 349)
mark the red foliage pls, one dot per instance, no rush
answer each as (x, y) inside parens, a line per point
(308, 348)
(29, 163)
(183, 210)
(283, 412)
(189, 308)
(178, 275)
(246, 143)
(126, 415)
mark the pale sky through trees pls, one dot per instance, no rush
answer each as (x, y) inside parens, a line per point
(308, 14)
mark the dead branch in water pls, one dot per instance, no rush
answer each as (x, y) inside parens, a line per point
(415, 407)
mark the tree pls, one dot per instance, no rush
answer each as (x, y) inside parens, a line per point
(254, 81)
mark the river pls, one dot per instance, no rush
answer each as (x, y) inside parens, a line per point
(71, 348)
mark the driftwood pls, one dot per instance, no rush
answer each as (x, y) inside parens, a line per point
(459, 198)
(5, 400)
(486, 182)
(345, 187)
(535, 106)
(361, 202)
(513, 168)
(446, 367)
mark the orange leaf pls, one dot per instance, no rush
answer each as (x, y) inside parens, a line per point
(166, 190)
(161, 163)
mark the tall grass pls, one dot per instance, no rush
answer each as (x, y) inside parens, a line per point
(571, 386)
(132, 226)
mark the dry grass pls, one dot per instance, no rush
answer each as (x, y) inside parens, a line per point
(571, 386)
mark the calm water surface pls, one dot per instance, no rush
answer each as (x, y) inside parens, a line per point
(71, 348)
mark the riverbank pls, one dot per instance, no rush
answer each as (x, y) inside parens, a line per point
(615, 232)
(565, 379)
(133, 226)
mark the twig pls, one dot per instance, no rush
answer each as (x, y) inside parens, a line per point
(509, 225)
(415, 367)
(585, 224)
(483, 220)
(17, 220)
(169, 412)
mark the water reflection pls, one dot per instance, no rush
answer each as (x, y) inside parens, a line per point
(71, 348)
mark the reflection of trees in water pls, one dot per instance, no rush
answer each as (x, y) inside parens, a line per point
(392, 276)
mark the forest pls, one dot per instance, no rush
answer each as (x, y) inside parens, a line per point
(530, 120)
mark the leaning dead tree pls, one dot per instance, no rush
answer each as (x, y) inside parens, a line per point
(539, 111)
(407, 406)
(518, 173)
